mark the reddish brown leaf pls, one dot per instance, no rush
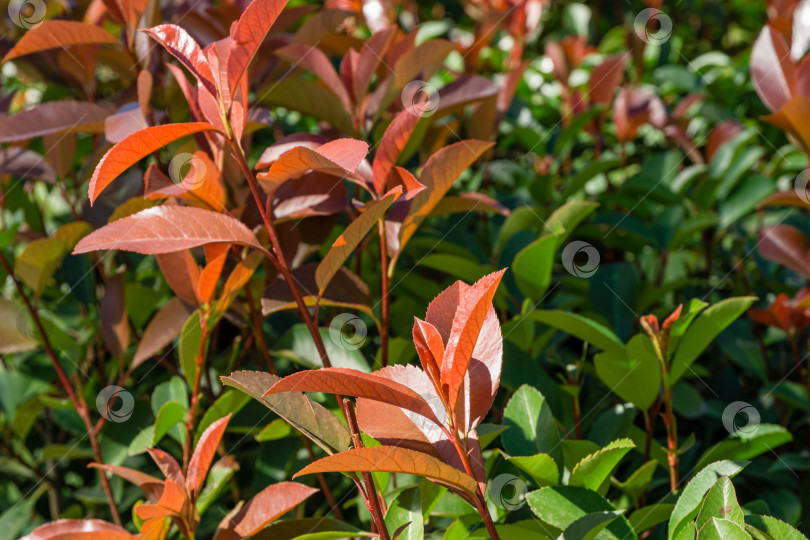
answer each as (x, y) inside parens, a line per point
(350, 382)
(468, 202)
(772, 69)
(606, 77)
(785, 245)
(346, 290)
(338, 158)
(267, 506)
(181, 273)
(722, 133)
(168, 465)
(248, 34)
(26, 163)
(53, 117)
(313, 194)
(151, 486)
(393, 141)
(161, 330)
(316, 62)
(467, 324)
(138, 145)
(114, 319)
(239, 276)
(57, 34)
(183, 47)
(164, 229)
(204, 454)
(79, 529)
(395, 460)
(369, 59)
(346, 243)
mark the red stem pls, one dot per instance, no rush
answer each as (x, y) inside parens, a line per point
(385, 303)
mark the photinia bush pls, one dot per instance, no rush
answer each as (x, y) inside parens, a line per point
(357, 269)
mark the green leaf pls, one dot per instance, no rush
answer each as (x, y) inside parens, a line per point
(487, 433)
(579, 327)
(565, 219)
(720, 502)
(315, 528)
(541, 467)
(17, 517)
(704, 329)
(770, 528)
(307, 416)
(299, 347)
(170, 414)
(738, 447)
(588, 526)
(532, 429)
(722, 529)
(592, 471)
(561, 506)
(230, 401)
(637, 484)
(38, 261)
(405, 515)
(16, 329)
(216, 482)
(632, 373)
(275, 430)
(532, 266)
(650, 516)
(688, 504)
(189, 347)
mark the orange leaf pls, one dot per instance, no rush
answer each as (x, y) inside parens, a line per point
(467, 323)
(267, 506)
(204, 454)
(350, 382)
(181, 273)
(183, 47)
(346, 243)
(57, 34)
(167, 465)
(209, 277)
(248, 34)
(339, 158)
(430, 347)
(138, 145)
(172, 502)
(79, 529)
(163, 229)
(394, 460)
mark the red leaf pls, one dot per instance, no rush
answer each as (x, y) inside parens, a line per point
(395, 460)
(183, 47)
(393, 141)
(78, 529)
(350, 382)
(438, 175)
(786, 245)
(338, 158)
(163, 229)
(468, 321)
(248, 34)
(313, 194)
(267, 506)
(772, 69)
(204, 454)
(370, 57)
(209, 277)
(138, 145)
(173, 502)
(58, 34)
(53, 117)
(275, 151)
(605, 78)
(316, 62)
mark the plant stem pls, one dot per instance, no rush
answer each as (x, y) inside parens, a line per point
(480, 501)
(280, 262)
(257, 331)
(322, 481)
(672, 434)
(192, 410)
(373, 499)
(78, 402)
(384, 293)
